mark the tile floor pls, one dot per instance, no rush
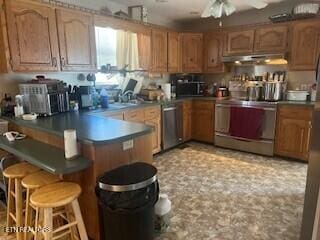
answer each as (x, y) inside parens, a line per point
(220, 194)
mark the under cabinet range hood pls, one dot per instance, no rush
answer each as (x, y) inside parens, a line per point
(275, 59)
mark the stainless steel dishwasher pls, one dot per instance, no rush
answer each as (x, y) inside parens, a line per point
(172, 125)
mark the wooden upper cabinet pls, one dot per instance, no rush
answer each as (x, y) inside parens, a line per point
(271, 39)
(174, 52)
(32, 37)
(144, 47)
(77, 40)
(294, 132)
(192, 49)
(240, 42)
(305, 45)
(213, 51)
(159, 45)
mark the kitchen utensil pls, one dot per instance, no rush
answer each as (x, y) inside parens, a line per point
(273, 91)
(222, 92)
(254, 93)
(297, 95)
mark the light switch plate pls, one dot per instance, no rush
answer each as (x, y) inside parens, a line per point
(127, 145)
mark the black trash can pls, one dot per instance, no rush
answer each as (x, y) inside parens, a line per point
(127, 196)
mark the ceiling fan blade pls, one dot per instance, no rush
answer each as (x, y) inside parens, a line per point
(259, 4)
(207, 11)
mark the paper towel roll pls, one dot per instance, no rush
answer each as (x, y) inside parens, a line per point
(166, 88)
(70, 143)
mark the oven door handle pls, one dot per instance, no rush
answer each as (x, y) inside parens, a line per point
(244, 139)
(244, 106)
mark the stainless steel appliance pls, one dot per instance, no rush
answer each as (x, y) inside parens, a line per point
(172, 125)
(185, 85)
(255, 58)
(45, 98)
(311, 212)
(85, 96)
(274, 91)
(223, 138)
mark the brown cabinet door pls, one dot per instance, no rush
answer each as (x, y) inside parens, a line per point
(32, 37)
(144, 46)
(213, 51)
(271, 39)
(156, 135)
(174, 52)
(187, 120)
(305, 45)
(203, 121)
(192, 48)
(159, 51)
(293, 132)
(134, 116)
(77, 40)
(240, 42)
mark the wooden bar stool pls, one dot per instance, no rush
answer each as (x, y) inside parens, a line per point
(31, 183)
(15, 174)
(57, 195)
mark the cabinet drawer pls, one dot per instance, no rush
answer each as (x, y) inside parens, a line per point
(151, 112)
(198, 104)
(134, 115)
(296, 112)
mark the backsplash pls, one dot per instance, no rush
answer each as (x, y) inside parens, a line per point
(9, 82)
(295, 79)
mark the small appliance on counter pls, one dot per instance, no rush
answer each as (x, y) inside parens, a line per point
(85, 96)
(297, 95)
(44, 97)
(185, 85)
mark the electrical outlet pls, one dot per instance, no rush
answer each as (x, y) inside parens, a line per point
(127, 145)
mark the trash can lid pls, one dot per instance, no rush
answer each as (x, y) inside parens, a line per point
(128, 178)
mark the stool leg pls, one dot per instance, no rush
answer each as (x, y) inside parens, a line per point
(80, 223)
(73, 231)
(19, 203)
(28, 216)
(10, 203)
(36, 224)
(48, 223)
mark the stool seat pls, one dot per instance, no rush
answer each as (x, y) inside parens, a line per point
(39, 179)
(20, 170)
(55, 195)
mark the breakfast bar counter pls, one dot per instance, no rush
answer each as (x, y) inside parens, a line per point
(104, 144)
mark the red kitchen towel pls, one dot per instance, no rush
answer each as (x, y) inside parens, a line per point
(246, 122)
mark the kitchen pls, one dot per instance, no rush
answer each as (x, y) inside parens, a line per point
(222, 106)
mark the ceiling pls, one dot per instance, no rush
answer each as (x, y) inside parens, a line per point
(175, 10)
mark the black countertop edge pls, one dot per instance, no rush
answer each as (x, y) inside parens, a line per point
(44, 156)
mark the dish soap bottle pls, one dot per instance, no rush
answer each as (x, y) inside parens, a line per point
(162, 210)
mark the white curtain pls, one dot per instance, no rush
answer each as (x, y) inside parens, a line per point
(127, 50)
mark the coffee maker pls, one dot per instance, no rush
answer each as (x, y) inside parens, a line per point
(85, 96)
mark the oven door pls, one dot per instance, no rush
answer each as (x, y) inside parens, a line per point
(223, 138)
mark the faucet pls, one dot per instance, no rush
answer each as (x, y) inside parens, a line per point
(126, 96)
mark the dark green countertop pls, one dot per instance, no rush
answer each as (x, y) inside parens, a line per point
(44, 156)
(297, 103)
(90, 129)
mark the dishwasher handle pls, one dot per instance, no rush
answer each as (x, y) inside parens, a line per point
(169, 109)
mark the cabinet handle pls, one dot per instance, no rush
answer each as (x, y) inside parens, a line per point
(191, 59)
(212, 60)
(54, 61)
(63, 62)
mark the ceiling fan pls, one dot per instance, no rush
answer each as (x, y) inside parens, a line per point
(216, 8)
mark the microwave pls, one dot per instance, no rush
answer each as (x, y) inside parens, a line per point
(190, 89)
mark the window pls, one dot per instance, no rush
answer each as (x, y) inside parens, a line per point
(106, 41)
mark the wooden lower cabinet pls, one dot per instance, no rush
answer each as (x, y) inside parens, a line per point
(187, 120)
(203, 121)
(150, 116)
(293, 132)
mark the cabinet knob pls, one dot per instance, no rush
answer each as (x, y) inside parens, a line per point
(191, 59)
(212, 60)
